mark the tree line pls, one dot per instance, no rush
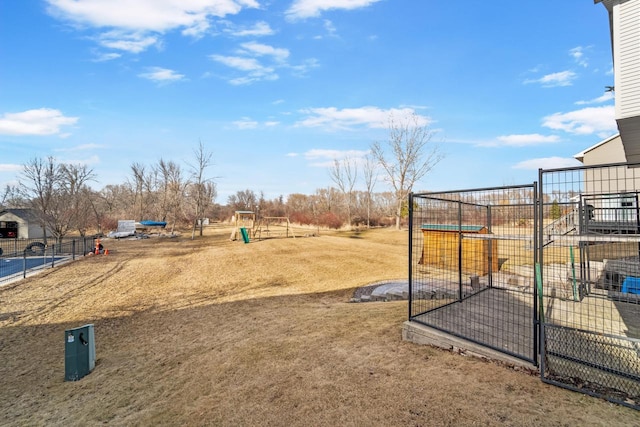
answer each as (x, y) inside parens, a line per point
(61, 194)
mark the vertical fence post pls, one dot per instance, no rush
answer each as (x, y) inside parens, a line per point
(638, 223)
(536, 241)
(410, 251)
(538, 275)
(73, 249)
(53, 256)
(490, 247)
(459, 252)
(24, 264)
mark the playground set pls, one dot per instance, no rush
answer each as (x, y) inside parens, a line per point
(248, 227)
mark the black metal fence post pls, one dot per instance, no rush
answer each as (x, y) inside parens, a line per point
(536, 240)
(411, 226)
(459, 251)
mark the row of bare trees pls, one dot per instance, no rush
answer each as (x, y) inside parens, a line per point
(403, 160)
(60, 196)
(64, 201)
(325, 207)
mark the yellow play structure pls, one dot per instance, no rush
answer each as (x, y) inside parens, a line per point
(246, 226)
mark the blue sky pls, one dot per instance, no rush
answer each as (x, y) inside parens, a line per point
(278, 89)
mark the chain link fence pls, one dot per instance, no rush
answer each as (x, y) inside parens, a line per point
(590, 247)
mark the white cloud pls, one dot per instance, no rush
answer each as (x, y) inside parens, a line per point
(197, 30)
(147, 15)
(81, 147)
(587, 121)
(301, 9)
(252, 78)
(258, 30)
(238, 62)
(301, 70)
(248, 123)
(41, 121)
(547, 163)
(607, 96)
(161, 75)
(264, 68)
(8, 167)
(254, 69)
(140, 18)
(133, 42)
(259, 49)
(103, 57)
(562, 78)
(331, 29)
(245, 123)
(577, 53)
(325, 158)
(521, 140)
(372, 117)
(92, 160)
(318, 153)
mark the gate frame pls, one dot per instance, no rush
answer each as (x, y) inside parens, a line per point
(583, 213)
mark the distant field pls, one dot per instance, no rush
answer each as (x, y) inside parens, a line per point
(214, 332)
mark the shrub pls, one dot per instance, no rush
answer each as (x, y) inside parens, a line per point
(330, 220)
(301, 218)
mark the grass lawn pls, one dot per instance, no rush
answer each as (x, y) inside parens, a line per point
(214, 332)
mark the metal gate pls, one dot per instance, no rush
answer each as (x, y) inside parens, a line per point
(590, 246)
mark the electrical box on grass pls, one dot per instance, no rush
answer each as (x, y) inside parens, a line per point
(79, 352)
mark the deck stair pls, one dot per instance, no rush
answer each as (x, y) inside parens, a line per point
(567, 224)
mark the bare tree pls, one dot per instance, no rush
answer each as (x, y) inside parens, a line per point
(173, 188)
(73, 194)
(204, 189)
(11, 197)
(243, 200)
(410, 158)
(40, 181)
(139, 172)
(344, 174)
(325, 198)
(370, 179)
(145, 184)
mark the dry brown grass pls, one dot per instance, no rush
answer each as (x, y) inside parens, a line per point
(213, 332)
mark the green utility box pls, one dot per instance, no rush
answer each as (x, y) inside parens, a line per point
(79, 352)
